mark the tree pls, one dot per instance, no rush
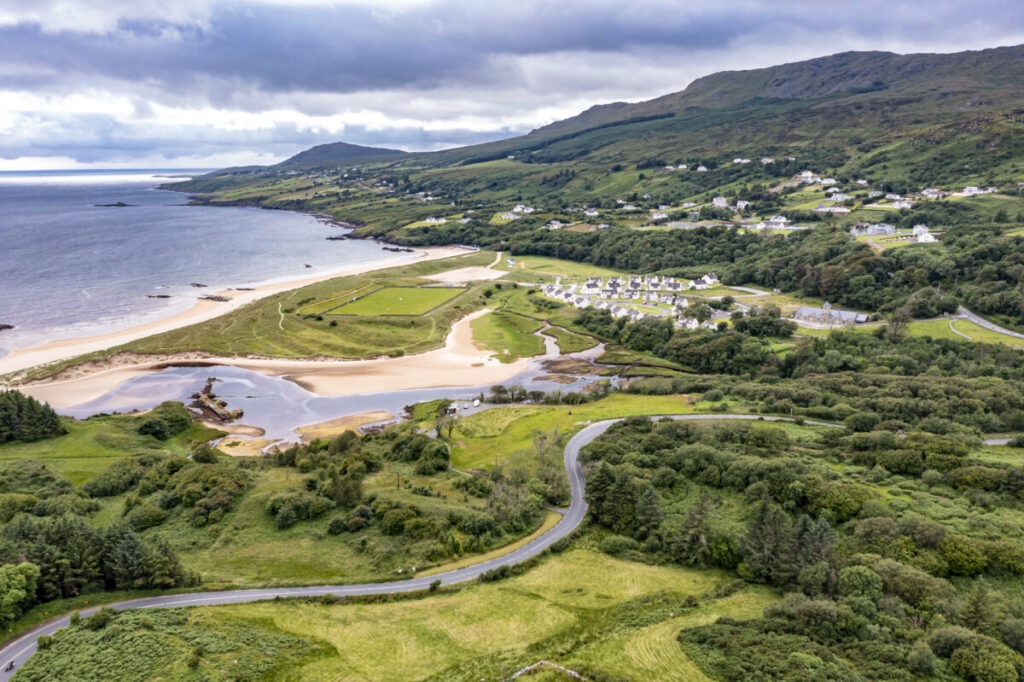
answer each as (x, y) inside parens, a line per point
(768, 549)
(648, 513)
(17, 590)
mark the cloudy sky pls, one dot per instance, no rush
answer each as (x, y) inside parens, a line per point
(212, 83)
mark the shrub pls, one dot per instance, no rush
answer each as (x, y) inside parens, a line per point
(921, 659)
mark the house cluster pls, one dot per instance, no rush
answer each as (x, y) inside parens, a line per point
(776, 222)
(872, 230)
(975, 191)
(828, 316)
(920, 233)
(617, 295)
(435, 221)
(722, 202)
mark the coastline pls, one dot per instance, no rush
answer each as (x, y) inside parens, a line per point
(54, 351)
(459, 363)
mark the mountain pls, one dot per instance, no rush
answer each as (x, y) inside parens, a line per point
(864, 100)
(340, 153)
(900, 121)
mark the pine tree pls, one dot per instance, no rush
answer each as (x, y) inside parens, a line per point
(598, 486)
(648, 513)
(768, 549)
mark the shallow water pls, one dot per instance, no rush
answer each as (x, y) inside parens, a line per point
(279, 406)
(70, 267)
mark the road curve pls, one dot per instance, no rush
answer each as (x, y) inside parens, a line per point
(21, 649)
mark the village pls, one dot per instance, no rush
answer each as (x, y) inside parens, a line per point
(637, 298)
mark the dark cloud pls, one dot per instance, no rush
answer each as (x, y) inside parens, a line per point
(352, 48)
(431, 74)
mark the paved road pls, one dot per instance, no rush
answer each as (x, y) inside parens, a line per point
(22, 648)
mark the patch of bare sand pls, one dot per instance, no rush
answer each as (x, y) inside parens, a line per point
(236, 429)
(240, 446)
(335, 427)
(466, 275)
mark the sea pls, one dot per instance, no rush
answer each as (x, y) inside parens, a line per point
(84, 252)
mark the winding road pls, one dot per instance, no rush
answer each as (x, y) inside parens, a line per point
(21, 649)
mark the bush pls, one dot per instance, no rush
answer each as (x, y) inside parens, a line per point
(155, 427)
(921, 659)
(146, 515)
(984, 660)
(945, 641)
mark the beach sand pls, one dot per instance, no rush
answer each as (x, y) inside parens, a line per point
(203, 310)
(458, 363)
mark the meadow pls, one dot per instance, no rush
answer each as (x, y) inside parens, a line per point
(584, 609)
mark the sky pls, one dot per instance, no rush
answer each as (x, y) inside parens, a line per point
(215, 83)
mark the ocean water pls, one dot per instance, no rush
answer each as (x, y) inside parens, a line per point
(71, 267)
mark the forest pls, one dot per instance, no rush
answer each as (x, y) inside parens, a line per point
(899, 556)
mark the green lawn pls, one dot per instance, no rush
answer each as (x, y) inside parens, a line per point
(509, 335)
(399, 301)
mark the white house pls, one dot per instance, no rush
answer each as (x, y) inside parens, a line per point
(778, 221)
(720, 202)
(741, 205)
(927, 238)
(702, 169)
(902, 203)
(919, 230)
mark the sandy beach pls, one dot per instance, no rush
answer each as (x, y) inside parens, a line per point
(203, 310)
(458, 363)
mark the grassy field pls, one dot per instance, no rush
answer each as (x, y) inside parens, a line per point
(943, 329)
(509, 335)
(510, 430)
(399, 301)
(92, 445)
(288, 324)
(572, 609)
(987, 335)
(554, 267)
(570, 342)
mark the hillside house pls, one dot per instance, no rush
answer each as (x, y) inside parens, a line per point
(720, 202)
(828, 316)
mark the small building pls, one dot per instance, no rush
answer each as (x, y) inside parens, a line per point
(826, 315)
